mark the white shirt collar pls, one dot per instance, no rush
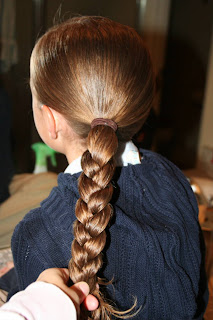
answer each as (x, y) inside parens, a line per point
(127, 154)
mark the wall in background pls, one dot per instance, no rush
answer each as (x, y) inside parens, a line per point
(153, 22)
(15, 82)
(205, 145)
(119, 10)
(184, 80)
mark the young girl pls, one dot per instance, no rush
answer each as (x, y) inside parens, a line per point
(130, 217)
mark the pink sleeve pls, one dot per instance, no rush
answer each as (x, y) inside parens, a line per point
(41, 301)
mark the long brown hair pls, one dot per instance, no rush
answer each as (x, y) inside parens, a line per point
(87, 68)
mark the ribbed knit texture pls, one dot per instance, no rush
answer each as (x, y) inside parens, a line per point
(153, 244)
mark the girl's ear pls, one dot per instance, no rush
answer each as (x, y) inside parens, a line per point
(50, 121)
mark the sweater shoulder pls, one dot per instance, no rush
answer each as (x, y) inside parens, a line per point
(159, 186)
(169, 180)
(49, 222)
(62, 196)
(153, 161)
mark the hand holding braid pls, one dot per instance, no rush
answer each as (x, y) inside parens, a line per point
(93, 210)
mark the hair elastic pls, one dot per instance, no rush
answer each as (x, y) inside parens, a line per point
(106, 122)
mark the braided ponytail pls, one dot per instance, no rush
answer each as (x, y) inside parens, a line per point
(93, 211)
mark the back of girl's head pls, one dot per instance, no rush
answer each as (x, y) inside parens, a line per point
(88, 68)
(92, 67)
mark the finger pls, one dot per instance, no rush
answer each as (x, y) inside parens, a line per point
(91, 303)
(82, 290)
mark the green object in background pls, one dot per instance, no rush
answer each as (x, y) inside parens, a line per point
(42, 152)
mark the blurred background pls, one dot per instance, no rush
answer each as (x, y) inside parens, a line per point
(179, 35)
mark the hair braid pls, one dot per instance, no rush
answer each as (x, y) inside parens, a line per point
(93, 211)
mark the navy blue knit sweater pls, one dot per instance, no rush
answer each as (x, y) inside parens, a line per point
(153, 247)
